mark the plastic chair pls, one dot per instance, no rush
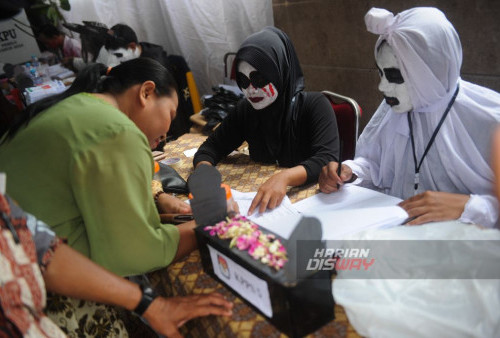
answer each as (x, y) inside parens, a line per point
(347, 113)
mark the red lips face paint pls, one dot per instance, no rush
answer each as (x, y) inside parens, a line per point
(259, 98)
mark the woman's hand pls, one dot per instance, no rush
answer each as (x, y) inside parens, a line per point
(168, 204)
(432, 206)
(166, 315)
(270, 194)
(329, 181)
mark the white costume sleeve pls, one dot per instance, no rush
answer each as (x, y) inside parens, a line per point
(361, 168)
(481, 209)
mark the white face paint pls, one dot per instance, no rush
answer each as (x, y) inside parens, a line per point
(259, 92)
(392, 83)
(117, 56)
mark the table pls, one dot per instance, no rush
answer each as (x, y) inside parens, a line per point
(187, 276)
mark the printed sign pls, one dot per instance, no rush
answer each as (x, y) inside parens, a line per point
(16, 46)
(249, 286)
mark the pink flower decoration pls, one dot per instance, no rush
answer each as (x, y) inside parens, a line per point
(246, 236)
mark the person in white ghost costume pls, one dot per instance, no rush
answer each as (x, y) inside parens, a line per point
(419, 56)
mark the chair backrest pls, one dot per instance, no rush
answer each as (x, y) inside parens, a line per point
(347, 112)
(229, 66)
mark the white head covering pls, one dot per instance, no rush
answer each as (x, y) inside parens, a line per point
(430, 54)
(427, 48)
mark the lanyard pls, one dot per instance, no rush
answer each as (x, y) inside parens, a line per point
(431, 141)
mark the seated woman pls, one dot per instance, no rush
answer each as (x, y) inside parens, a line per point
(429, 140)
(281, 123)
(67, 272)
(81, 161)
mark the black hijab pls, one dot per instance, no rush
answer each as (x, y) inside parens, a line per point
(271, 52)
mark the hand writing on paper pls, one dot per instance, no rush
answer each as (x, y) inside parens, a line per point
(270, 194)
(166, 315)
(329, 180)
(172, 205)
(433, 206)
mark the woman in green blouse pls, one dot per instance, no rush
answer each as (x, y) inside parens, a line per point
(81, 161)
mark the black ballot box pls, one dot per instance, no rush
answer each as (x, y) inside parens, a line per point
(295, 306)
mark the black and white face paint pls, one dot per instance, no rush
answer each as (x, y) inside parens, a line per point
(392, 84)
(257, 89)
(117, 56)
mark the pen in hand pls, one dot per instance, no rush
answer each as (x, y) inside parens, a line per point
(339, 168)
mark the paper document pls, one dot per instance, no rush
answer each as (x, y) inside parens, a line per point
(57, 70)
(271, 219)
(233, 274)
(348, 197)
(190, 152)
(337, 224)
(351, 210)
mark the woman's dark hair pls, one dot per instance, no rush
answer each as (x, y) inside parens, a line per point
(93, 79)
(119, 36)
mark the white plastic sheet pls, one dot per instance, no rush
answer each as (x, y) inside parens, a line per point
(425, 307)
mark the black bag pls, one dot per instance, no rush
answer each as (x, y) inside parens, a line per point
(218, 106)
(171, 181)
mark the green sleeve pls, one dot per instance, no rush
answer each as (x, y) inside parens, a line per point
(111, 183)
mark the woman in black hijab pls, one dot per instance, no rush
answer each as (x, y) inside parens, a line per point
(281, 123)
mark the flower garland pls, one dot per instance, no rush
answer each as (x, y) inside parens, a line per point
(245, 235)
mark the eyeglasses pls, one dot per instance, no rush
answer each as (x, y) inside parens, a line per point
(256, 79)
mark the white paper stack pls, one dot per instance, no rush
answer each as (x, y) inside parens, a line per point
(348, 197)
(350, 210)
(46, 89)
(59, 72)
(337, 224)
